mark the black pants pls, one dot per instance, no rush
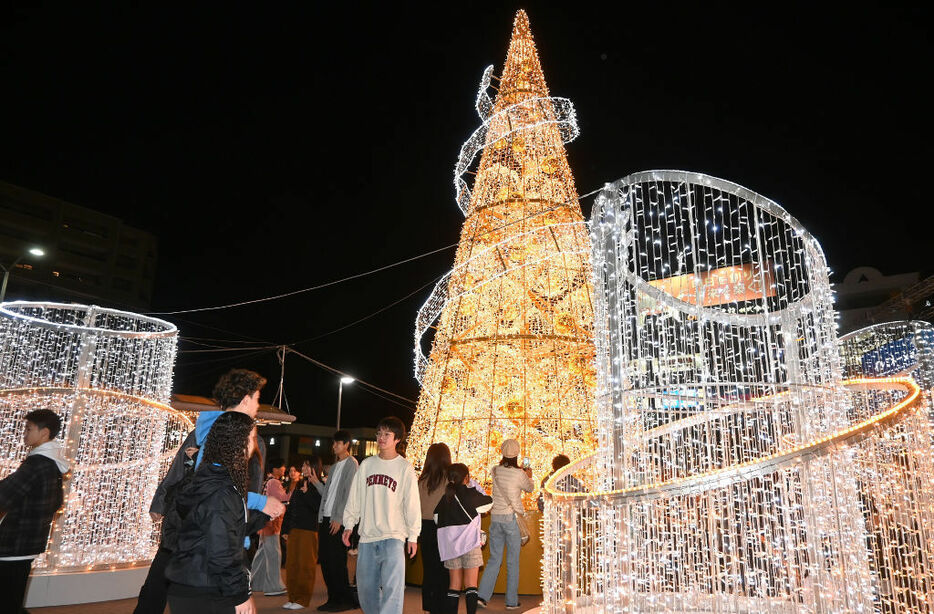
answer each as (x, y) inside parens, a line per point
(332, 555)
(184, 604)
(152, 595)
(13, 578)
(436, 579)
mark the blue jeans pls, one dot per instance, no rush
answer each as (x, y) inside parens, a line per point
(503, 532)
(381, 576)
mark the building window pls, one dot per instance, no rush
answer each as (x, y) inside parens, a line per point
(126, 262)
(122, 284)
(85, 227)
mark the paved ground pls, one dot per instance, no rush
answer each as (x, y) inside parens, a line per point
(273, 605)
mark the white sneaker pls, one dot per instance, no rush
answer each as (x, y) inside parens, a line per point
(293, 606)
(287, 605)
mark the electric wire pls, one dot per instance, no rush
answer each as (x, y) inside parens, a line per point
(357, 275)
(303, 290)
(336, 371)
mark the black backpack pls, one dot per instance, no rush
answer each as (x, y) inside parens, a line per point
(173, 518)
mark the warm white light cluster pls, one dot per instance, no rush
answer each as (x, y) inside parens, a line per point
(738, 470)
(108, 374)
(512, 350)
(445, 295)
(526, 114)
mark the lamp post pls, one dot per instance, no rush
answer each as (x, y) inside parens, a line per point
(340, 393)
(33, 251)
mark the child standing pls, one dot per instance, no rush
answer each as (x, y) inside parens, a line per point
(384, 501)
(458, 519)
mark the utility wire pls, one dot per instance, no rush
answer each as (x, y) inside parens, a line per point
(356, 276)
(303, 290)
(341, 373)
(375, 313)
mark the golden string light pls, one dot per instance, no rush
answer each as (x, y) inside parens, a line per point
(108, 374)
(512, 354)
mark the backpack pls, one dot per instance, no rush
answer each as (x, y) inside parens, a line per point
(172, 519)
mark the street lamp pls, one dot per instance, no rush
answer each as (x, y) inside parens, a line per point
(38, 252)
(340, 392)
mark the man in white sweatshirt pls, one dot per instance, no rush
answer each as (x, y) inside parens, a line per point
(384, 500)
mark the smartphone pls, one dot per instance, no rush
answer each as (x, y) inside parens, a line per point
(526, 462)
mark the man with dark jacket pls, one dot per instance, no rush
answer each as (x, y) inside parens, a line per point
(237, 390)
(29, 498)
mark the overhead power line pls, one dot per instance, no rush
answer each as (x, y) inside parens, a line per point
(350, 277)
(303, 290)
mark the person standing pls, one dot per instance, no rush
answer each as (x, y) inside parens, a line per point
(332, 554)
(557, 462)
(238, 391)
(384, 501)
(207, 571)
(293, 479)
(266, 572)
(300, 530)
(29, 498)
(431, 487)
(509, 481)
(458, 520)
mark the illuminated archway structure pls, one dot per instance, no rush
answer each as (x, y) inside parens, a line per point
(108, 373)
(738, 470)
(512, 353)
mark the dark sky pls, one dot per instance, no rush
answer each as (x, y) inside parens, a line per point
(276, 148)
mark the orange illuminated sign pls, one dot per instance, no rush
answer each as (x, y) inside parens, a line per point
(732, 284)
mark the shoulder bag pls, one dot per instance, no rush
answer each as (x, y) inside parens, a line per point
(459, 539)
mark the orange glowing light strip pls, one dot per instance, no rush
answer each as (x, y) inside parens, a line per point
(812, 448)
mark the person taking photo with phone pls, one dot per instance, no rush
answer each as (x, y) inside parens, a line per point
(509, 482)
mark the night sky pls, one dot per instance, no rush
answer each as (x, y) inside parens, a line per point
(276, 148)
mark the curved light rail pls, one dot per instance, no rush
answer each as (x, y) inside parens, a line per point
(817, 447)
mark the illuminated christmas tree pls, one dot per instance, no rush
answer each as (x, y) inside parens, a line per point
(513, 352)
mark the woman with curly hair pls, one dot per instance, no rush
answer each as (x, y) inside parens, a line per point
(431, 486)
(207, 571)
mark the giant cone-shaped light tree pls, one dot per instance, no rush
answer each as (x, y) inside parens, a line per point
(513, 351)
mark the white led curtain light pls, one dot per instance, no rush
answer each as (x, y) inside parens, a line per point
(108, 374)
(738, 471)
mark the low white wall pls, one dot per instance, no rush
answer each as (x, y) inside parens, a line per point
(84, 587)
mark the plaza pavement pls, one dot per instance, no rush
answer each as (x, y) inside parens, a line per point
(273, 605)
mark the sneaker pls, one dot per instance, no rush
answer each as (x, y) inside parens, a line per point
(287, 605)
(514, 607)
(274, 593)
(481, 602)
(293, 606)
(325, 607)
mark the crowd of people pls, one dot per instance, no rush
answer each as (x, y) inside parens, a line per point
(228, 514)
